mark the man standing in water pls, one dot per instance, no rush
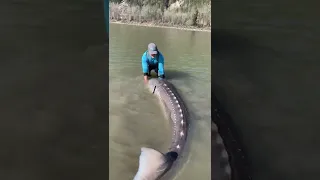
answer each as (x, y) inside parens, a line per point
(152, 59)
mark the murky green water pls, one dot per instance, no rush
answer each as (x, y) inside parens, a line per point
(266, 69)
(135, 116)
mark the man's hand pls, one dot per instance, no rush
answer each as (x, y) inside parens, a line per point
(161, 77)
(145, 79)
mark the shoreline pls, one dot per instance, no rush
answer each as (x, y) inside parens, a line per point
(159, 25)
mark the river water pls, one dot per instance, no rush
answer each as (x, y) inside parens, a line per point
(266, 74)
(54, 90)
(135, 116)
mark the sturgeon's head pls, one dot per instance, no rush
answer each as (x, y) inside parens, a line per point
(152, 84)
(153, 164)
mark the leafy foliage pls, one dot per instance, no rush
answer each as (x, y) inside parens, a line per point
(173, 12)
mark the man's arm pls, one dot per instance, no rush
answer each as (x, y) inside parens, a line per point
(161, 66)
(145, 68)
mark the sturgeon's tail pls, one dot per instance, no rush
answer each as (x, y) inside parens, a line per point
(153, 164)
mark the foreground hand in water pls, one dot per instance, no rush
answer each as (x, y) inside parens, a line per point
(153, 164)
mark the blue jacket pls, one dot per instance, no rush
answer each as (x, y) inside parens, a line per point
(148, 60)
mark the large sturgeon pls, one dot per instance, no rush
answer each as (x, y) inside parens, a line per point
(152, 163)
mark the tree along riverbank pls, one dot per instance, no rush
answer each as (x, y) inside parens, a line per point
(179, 15)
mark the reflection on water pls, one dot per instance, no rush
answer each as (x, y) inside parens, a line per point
(135, 116)
(265, 64)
